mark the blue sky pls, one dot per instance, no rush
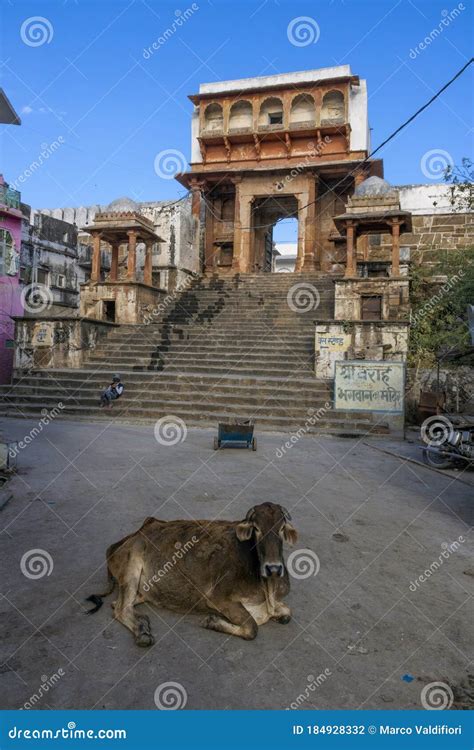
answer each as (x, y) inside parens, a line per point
(112, 109)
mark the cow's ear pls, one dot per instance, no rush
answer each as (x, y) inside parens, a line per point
(244, 531)
(290, 535)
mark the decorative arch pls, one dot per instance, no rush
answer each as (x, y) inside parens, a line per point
(241, 115)
(271, 113)
(333, 108)
(213, 118)
(302, 110)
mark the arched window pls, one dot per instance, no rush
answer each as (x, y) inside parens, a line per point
(213, 118)
(241, 116)
(271, 113)
(302, 110)
(332, 111)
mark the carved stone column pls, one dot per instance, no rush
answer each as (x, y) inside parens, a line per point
(132, 255)
(114, 263)
(237, 227)
(395, 249)
(196, 187)
(245, 249)
(310, 262)
(148, 269)
(95, 270)
(351, 269)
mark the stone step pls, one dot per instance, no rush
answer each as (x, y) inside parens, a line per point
(335, 425)
(249, 357)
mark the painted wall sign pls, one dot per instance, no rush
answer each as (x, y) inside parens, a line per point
(369, 386)
(43, 335)
(333, 342)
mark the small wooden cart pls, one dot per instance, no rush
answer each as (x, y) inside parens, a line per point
(237, 434)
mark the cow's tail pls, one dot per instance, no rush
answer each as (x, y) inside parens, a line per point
(97, 599)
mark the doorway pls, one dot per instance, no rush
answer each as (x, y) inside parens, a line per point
(109, 311)
(274, 222)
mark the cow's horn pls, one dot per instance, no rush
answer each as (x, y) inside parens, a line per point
(250, 514)
(286, 513)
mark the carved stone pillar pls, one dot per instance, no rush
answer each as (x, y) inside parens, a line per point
(351, 269)
(95, 270)
(395, 249)
(237, 227)
(310, 262)
(196, 186)
(245, 250)
(114, 263)
(132, 255)
(148, 269)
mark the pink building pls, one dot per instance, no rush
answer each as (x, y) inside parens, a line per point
(10, 290)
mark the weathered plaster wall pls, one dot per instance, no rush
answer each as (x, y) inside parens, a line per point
(10, 297)
(133, 302)
(394, 292)
(358, 340)
(56, 343)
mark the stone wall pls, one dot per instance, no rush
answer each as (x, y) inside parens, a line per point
(394, 293)
(56, 342)
(134, 302)
(456, 382)
(371, 340)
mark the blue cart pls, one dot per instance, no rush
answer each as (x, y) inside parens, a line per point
(238, 434)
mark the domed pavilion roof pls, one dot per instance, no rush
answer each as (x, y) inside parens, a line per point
(373, 186)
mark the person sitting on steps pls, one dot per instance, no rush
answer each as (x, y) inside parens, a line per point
(112, 392)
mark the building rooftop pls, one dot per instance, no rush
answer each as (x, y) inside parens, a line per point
(280, 79)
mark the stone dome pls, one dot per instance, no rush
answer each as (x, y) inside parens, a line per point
(373, 186)
(123, 204)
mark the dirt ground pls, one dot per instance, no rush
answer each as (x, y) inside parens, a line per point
(367, 631)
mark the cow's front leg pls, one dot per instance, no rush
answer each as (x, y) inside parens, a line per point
(234, 619)
(281, 613)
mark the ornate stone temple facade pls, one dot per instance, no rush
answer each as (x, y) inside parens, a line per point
(292, 145)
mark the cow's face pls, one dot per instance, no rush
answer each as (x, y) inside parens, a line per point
(268, 525)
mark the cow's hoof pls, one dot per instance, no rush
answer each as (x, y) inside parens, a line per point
(211, 622)
(283, 620)
(144, 640)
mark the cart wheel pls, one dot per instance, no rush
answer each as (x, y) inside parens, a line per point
(254, 444)
(216, 443)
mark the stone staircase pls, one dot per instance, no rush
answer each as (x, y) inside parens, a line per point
(221, 349)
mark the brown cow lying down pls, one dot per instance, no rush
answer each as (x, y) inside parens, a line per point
(233, 571)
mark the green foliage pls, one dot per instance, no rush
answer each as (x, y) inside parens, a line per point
(439, 311)
(461, 188)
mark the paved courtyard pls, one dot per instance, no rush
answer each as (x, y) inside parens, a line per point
(366, 631)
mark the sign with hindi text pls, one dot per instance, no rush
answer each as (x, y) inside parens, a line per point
(363, 385)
